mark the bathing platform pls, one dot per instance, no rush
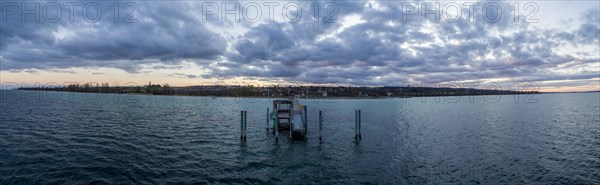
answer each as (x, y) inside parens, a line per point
(290, 118)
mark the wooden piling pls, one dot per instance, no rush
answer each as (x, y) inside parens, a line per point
(241, 125)
(290, 124)
(355, 124)
(305, 121)
(267, 119)
(320, 125)
(245, 124)
(359, 124)
(276, 128)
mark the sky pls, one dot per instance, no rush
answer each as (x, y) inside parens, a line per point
(546, 45)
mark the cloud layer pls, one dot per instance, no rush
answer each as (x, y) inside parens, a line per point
(371, 43)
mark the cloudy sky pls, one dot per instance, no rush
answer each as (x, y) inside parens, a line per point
(552, 44)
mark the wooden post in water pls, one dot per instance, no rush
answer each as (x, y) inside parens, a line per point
(305, 121)
(276, 127)
(242, 125)
(275, 121)
(267, 119)
(320, 125)
(290, 123)
(355, 124)
(359, 124)
(245, 124)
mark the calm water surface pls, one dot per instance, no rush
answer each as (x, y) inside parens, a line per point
(81, 138)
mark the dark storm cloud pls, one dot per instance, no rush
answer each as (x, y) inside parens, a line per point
(383, 49)
(525, 53)
(164, 32)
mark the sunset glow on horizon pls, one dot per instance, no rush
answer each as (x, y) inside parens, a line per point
(358, 43)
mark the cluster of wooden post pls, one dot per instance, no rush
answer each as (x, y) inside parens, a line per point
(357, 124)
(243, 125)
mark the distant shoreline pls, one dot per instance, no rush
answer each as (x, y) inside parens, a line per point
(315, 97)
(216, 96)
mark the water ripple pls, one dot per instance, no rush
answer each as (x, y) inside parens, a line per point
(188, 140)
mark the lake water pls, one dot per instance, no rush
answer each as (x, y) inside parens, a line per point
(51, 137)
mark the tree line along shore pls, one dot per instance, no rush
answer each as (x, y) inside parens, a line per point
(281, 91)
